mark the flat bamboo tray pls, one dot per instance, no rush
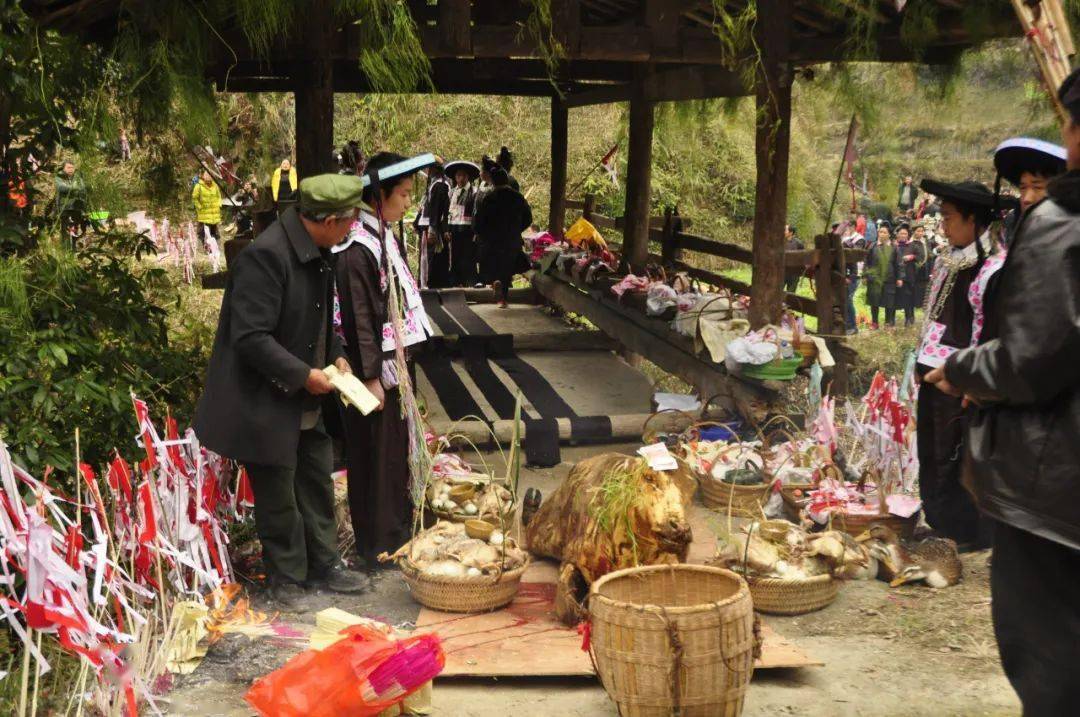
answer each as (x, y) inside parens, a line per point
(777, 596)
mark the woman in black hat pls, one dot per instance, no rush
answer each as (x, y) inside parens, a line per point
(1029, 165)
(369, 266)
(953, 321)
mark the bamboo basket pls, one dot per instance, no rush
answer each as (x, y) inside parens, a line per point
(778, 596)
(742, 500)
(674, 640)
(857, 524)
(477, 594)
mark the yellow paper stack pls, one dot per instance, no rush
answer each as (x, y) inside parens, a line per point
(188, 628)
(352, 390)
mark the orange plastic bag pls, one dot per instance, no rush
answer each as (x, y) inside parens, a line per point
(359, 676)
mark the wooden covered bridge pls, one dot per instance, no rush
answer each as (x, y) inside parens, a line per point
(584, 52)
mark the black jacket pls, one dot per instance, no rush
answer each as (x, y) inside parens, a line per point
(906, 271)
(436, 207)
(279, 287)
(1024, 444)
(501, 218)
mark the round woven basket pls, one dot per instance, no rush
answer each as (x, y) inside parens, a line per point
(776, 596)
(859, 523)
(673, 639)
(742, 500)
(478, 594)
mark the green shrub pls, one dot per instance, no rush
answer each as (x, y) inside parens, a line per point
(79, 331)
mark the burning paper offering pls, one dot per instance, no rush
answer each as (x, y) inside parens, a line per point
(352, 390)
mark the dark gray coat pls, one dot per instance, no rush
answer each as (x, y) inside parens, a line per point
(279, 287)
(1024, 444)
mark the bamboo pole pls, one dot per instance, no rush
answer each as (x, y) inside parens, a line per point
(37, 683)
(25, 682)
(1050, 45)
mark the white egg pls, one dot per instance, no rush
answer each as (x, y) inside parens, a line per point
(473, 572)
(496, 538)
(470, 509)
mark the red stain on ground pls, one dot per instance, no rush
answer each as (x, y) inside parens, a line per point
(534, 601)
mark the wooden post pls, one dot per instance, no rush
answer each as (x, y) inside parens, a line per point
(455, 26)
(669, 246)
(559, 137)
(314, 91)
(566, 25)
(589, 208)
(838, 347)
(773, 141)
(823, 279)
(638, 173)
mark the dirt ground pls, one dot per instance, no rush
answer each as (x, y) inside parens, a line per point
(909, 651)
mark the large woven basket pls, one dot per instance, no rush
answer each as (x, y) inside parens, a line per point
(743, 500)
(478, 594)
(673, 640)
(859, 523)
(776, 596)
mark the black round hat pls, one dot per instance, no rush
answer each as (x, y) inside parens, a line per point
(451, 168)
(1015, 156)
(967, 194)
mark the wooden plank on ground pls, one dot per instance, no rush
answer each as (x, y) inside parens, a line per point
(526, 639)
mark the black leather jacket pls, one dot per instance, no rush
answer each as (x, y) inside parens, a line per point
(1024, 444)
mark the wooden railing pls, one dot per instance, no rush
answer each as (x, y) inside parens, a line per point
(668, 232)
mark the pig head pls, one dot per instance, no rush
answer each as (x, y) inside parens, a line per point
(655, 529)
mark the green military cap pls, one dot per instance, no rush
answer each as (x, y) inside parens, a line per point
(330, 193)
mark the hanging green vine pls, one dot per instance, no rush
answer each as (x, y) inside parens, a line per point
(539, 27)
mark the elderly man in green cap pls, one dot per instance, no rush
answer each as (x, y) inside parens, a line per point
(265, 385)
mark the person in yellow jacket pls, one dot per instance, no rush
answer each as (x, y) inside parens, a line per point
(283, 184)
(207, 200)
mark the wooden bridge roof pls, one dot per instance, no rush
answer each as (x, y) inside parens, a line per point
(482, 46)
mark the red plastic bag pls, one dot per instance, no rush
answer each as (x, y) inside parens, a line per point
(359, 676)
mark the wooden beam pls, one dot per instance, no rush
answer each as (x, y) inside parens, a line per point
(642, 335)
(559, 144)
(455, 26)
(662, 19)
(687, 83)
(638, 172)
(314, 92)
(772, 146)
(566, 25)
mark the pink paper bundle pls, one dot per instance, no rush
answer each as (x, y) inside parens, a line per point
(630, 283)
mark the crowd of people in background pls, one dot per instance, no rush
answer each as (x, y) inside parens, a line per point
(471, 222)
(900, 252)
